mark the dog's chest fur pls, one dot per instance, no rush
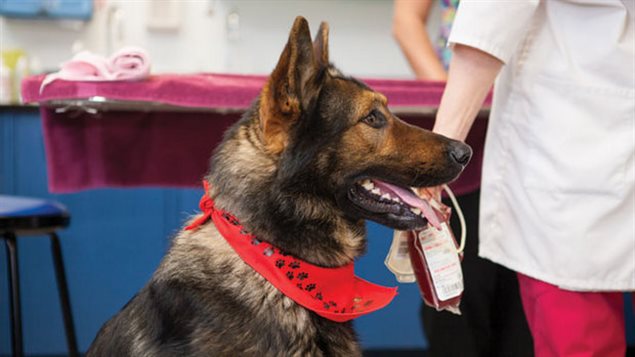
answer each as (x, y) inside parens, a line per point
(205, 300)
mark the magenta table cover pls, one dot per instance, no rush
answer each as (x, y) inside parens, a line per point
(169, 147)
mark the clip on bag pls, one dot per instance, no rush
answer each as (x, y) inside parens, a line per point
(432, 258)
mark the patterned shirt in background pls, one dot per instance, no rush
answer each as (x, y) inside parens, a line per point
(448, 10)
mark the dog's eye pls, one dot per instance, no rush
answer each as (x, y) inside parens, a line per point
(374, 119)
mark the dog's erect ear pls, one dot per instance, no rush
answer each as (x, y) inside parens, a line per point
(288, 88)
(321, 45)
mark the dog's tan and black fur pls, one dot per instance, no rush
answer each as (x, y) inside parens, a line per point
(290, 171)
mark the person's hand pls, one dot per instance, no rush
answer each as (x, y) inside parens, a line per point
(430, 193)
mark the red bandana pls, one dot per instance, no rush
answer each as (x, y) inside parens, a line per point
(334, 293)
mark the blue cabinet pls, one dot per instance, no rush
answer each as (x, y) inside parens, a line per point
(59, 9)
(115, 241)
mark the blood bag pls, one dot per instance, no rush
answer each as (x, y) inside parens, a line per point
(434, 258)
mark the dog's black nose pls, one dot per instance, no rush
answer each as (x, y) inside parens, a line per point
(459, 152)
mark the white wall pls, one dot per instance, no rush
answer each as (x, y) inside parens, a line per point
(361, 40)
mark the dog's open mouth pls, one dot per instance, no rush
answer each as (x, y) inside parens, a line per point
(391, 205)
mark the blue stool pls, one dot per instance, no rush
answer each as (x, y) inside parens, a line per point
(22, 217)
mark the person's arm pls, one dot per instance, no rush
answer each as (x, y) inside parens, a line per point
(485, 35)
(481, 47)
(471, 75)
(409, 29)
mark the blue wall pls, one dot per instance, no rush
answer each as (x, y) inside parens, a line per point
(117, 238)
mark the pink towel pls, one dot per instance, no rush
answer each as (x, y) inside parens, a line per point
(165, 148)
(129, 63)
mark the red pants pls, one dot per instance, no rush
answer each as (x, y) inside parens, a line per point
(570, 323)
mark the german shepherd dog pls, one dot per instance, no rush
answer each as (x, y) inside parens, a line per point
(292, 171)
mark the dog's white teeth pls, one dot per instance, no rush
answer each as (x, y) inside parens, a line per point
(385, 196)
(415, 211)
(396, 199)
(368, 184)
(375, 191)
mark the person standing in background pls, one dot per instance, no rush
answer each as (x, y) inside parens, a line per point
(492, 321)
(558, 188)
(429, 58)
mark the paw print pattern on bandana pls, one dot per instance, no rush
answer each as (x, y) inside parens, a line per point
(289, 268)
(329, 292)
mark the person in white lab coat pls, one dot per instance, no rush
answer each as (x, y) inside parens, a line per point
(558, 186)
(492, 321)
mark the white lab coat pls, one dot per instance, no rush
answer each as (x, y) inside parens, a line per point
(557, 194)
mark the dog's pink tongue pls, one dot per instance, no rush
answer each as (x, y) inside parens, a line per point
(411, 199)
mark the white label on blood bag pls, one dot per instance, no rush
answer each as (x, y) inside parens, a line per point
(398, 260)
(402, 250)
(443, 261)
